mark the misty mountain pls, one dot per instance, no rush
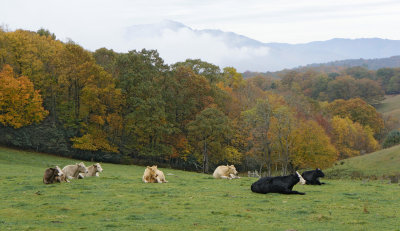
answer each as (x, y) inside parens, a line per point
(177, 42)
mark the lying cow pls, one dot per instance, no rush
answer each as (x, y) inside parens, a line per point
(312, 177)
(225, 172)
(160, 176)
(153, 175)
(53, 175)
(149, 175)
(93, 170)
(278, 184)
(72, 171)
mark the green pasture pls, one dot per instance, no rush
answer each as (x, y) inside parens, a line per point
(118, 200)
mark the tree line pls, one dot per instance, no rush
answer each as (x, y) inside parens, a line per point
(132, 107)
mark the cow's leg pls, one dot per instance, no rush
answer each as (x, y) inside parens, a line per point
(97, 174)
(293, 192)
(224, 177)
(234, 176)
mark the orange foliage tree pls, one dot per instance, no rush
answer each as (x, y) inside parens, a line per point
(20, 103)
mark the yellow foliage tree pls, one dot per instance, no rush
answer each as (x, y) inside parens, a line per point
(351, 138)
(312, 147)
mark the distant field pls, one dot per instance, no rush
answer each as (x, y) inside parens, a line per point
(390, 106)
(118, 200)
(385, 162)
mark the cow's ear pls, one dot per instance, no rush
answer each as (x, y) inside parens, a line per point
(148, 167)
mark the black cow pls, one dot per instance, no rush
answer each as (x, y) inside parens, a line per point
(312, 176)
(278, 184)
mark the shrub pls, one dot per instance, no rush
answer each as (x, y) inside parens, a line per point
(393, 138)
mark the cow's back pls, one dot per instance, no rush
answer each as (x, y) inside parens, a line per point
(221, 171)
(71, 171)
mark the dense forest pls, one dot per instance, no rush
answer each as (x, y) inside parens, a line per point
(59, 98)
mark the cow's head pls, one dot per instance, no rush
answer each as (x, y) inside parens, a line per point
(82, 168)
(98, 167)
(58, 171)
(301, 179)
(319, 172)
(232, 170)
(152, 169)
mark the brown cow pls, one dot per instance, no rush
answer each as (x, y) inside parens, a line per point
(53, 175)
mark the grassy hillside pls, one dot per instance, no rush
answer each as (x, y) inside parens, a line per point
(385, 162)
(118, 200)
(390, 106)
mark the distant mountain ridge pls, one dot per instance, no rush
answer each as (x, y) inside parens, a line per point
(371, 64)
(177, 42)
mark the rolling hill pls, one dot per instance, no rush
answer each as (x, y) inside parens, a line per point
(390, 106)
(383, 163)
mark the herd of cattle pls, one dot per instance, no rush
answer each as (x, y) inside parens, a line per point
(79, 171)
(278, 184)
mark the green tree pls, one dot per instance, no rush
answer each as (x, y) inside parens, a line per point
(208, 134)
(141, 75)
(208, 70)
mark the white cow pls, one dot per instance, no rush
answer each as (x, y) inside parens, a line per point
(72, 171)
(93, 170)
(225, 172)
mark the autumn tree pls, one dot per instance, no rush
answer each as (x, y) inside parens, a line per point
(358, 111)
(283, 127)
(259, 119)
(351, 138)
(20, 103)
(312, 148)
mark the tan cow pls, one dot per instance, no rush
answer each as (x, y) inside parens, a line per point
(225, 172)
(149, 175)
(52, 175)
(72, 171)
(160, 176)
(93, 170)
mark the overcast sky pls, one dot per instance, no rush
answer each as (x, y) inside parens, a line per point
(98, 23)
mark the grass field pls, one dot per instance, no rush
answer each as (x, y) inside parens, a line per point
(118, 200)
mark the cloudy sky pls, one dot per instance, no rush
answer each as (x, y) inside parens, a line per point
(99, 23)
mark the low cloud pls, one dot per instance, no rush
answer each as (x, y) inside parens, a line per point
(179, 43)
